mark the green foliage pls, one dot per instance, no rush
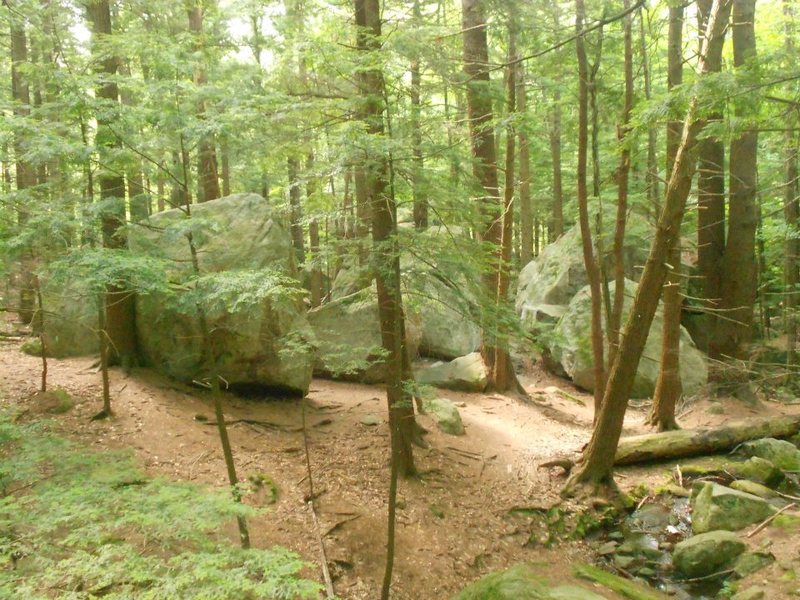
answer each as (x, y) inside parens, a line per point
(82, 524)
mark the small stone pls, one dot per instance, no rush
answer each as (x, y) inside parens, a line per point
(757, 469)
(719, 507)
(371, 420)
(607, 548)
(752, 593)
(626, 562)
(781, 453)
(706, 553)
(751, 562)
(751, 487)
(446, 415)
(648, 572)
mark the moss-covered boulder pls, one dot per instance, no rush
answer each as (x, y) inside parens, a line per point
(706, 553)
(781, 453)
(348, 335)
(548, 283)
(70, 324)
(522, 582)
(465, 373)
(241, 238)
(446, 415)
(718, 507)
(569, 349)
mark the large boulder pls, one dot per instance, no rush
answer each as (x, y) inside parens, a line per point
(348, 336)
(548, 283)
(706, 553)
(718, 507)
(569, 348)
(70, 323)
(465, 373)
(438, 312)
(265, 342)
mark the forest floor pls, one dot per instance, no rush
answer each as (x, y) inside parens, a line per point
(454, 522)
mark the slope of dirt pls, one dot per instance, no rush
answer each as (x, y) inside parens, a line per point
(453, 520)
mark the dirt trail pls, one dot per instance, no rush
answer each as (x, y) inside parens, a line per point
(453, 520)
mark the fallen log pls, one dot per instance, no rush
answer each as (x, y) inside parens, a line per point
(708, 440)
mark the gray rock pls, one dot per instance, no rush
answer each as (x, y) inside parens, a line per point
(569, 349)
(548, 283)
(706, 553)
(752, 593)
(348, 335)
(521, 582)
(781, 453)
(465, 373)
(70, 327)
(718, 507)
(371, 420)
(750, 562)
(758, 470)
(751, 487)
(266, 342)
(446, 415)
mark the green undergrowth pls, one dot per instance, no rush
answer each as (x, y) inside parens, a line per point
(77, 523)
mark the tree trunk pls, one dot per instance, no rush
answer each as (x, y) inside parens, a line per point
(385, 247)
(654, 200)
(738, 286)
(557, 225)
(596, 471)
(25, 171)
(207, 176)
(710, 203)
(668, 386)
(592, 268)
(708, 440)
(120, 319)
(419, 200)
(494, 348)
(525, 209)
(296, 209)
(622, 192)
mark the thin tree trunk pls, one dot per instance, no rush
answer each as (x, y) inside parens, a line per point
(595, 473)
(654, 200)
(622, 193)
(525, 209)
(484, 165)
(668, 385)
(387, 273)
(296, 209)
(710, 203)
(738, 287)
(790, 205)
(557, 226)
(592, 268)
(419, 201)
(226, 167)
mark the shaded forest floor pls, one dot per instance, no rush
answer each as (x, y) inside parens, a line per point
(454, 521)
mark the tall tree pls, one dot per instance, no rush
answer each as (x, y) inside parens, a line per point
(595, 473)
(419, 200)
(207, 172)
(25, 171)
(494, 345)
(387, 268)
(589, 261)
(119, 304)
(790, 202)
(526, 222)
(557, 219)
(710, 198)
(738, 286)
(668, 386)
